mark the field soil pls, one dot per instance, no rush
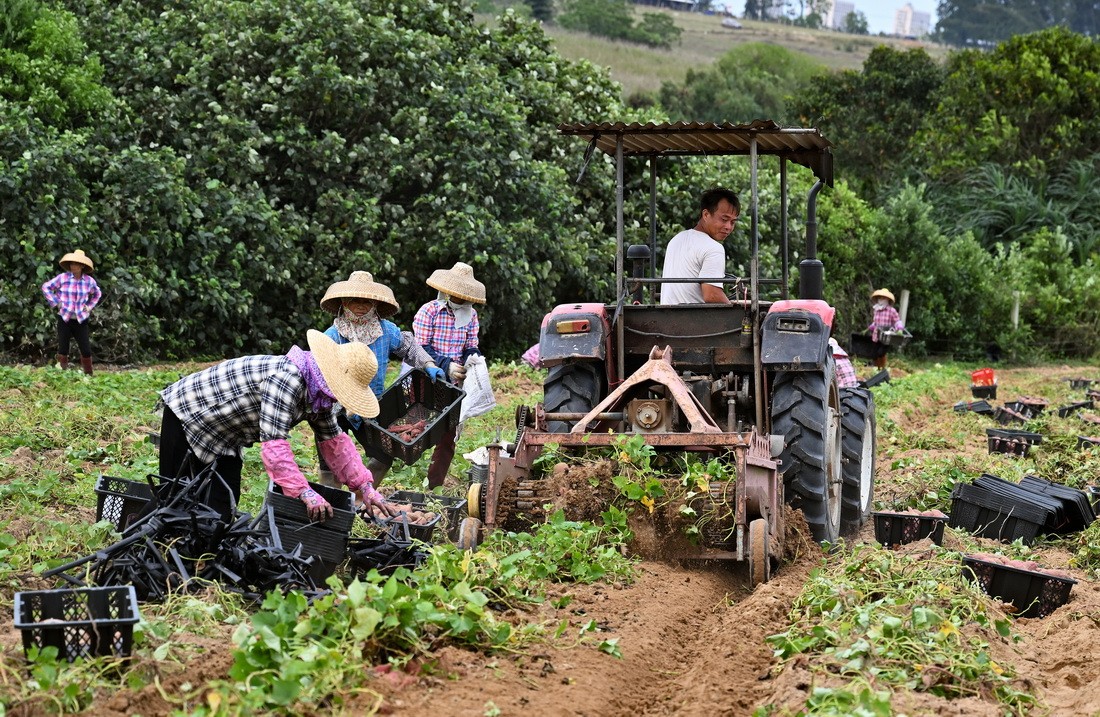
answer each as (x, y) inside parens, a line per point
(692, 636)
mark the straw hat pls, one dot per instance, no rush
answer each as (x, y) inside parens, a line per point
(459, 282)
(884, 293)
(79, 257)
(348, 370)
(360, 285)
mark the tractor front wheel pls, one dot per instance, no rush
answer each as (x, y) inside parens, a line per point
(857, 425)
(571, 388)
(806, 412)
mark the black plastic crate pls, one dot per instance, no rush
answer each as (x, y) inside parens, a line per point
(861, 346)
(988, 515)
(384, 554)
(1093, 492)
(983, 391)
(900, 528)
(1016, 443)
(1032, 593)
(81, 622)
(453, 508)
(1087, 442)
(401, 527)
(1005, 415)
(1076, 506)
(1027, 410)
(294, 510)
(881, 377)
(120, 500)
(329, 546)
(1056, 520)
(410, 399)
(1070, 409)
(980, 407)
(1080, 383)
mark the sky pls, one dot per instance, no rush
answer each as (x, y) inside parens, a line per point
(880, 13)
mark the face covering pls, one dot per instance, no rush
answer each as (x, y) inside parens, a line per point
(464, 313)
(881, 302)
(318, 395)
(365, 329)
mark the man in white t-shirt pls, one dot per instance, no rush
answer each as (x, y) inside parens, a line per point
(698, 252)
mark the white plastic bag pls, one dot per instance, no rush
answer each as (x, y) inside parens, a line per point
(479, 394)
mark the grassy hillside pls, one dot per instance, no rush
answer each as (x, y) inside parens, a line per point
(642, 69)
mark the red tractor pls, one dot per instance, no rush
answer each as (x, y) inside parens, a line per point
(751, 382)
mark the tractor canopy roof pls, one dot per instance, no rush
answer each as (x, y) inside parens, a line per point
(801, 145)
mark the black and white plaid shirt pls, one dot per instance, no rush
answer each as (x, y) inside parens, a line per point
(243, 400)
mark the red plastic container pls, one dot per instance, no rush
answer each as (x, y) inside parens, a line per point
(983, 377)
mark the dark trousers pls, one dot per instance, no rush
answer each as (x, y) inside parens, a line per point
(442, 456)
(73, 329)
(177, 460)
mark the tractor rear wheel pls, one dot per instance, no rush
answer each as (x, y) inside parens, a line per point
(857, 441)
(806, 412)
(571, 388)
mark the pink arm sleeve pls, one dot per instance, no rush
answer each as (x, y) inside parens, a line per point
(344, 460)
(279, 461)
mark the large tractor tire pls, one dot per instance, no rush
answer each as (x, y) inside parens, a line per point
(806, 412)
(571, 388)
(857, 440)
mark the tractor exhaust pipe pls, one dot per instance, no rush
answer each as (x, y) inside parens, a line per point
(811, 272)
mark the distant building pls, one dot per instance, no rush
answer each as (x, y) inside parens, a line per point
(838, 14)
(911, 23)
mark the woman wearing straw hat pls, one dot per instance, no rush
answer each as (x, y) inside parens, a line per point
(361, 306)
(74, 293)
(884, 318)
(210, 416)
(447, 328)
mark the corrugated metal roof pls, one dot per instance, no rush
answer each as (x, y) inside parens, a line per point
(804, 146)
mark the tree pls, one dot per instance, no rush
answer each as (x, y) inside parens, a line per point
(873, 135)
(542, 10)
(1032, 101)
(855, 23)
(751, 81)
(983, 23)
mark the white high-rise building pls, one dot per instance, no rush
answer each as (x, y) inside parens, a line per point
(838, 14)
(911, 23)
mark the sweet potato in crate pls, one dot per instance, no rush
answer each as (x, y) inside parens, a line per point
(411, 399)
(900, 528)
(1033, 592)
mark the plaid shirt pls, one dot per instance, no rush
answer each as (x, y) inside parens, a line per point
(434, 328)
(845, 372)
(238, 402)
(73, 298)
(885, 318)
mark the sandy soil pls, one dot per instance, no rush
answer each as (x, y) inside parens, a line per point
(692, 636)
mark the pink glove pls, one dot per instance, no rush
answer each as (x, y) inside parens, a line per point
(279, 461)
(340, 455)
(316, 506)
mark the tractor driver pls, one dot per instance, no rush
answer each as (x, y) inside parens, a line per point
(698, 252)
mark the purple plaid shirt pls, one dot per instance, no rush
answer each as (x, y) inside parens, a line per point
(434, 327)
(885, 318)
(845, 373)
(73, 298)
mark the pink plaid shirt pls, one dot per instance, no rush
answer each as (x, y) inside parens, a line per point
(845, 372)
(73, 298)
(885, 318)
(434, 327)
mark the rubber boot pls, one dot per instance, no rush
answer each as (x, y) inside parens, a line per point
(62, 360)
(86, 364)
(328, 479)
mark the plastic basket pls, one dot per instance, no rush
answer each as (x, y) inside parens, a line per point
(453, 508)
(1085, 443)
(988, 515)
(1093, 492)
(401, 528)
(294, 511)
(983, 377)
(412, 398)
(1032, 593)
(315, 539)
(1069, 410)
(900, 528)
(981, 407)
(82, 622)
(895, 339)
(120, 500)
(983, 391)
(1080, 383)
(1027, 410)
(861, 346)
(1005, 415)
(1015, 443)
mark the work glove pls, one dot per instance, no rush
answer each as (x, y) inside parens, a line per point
(435, 373)
(316, 506)
(374, 502)
(456, 371)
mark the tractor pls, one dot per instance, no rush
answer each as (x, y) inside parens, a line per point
(751, 382)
